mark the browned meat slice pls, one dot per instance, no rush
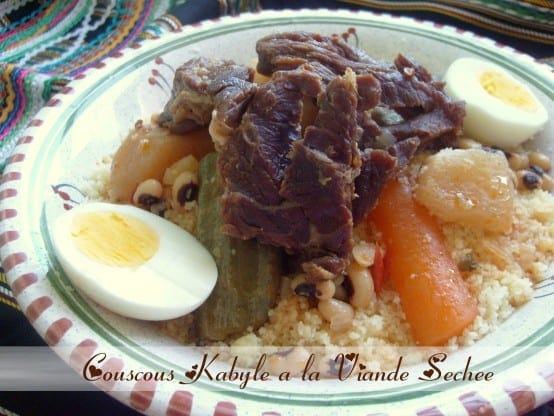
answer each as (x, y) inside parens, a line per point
(201, 83)
(278, 225)
(378, 166)
(290, 191)
(285, 51)
(253, 163)
(405, 64)
(369, 92)
(306, 193)
(405, 87)
(324, 164)
(254, 160)
(434, 124)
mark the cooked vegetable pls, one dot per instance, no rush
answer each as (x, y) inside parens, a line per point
(249, 272)
(146, 153)
(472, 187)
(433, 294)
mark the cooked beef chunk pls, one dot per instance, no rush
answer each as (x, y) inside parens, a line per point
(369, 92)
(286, 51)
(429, 126)
(323, 165)
(253, 161)
(406, 65)
(306, 193)
(320, 178)
(412, 105)
(405, 87)
(404, 151)
(378, 166)
(290, 191)
(200, 84)
(232, 91)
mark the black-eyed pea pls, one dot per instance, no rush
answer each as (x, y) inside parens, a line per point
(541, 160)
(184, 189)
(518, 161)
(325, 289)
(339, 314)
(302, 287)
(528, 179)
(148, 192)
(361, 281)
(364, 253)
(297, 279)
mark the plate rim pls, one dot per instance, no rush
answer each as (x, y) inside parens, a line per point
(9, 250)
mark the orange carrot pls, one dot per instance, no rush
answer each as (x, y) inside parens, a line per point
(434, 296)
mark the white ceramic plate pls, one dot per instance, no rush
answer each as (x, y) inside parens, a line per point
(77, 128)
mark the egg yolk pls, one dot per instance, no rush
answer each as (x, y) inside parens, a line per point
(507, 90)
(114, 239)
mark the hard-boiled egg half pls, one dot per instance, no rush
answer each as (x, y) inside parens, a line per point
(500, 110)
(133, 262)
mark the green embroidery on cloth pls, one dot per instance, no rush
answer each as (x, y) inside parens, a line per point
(45, 44)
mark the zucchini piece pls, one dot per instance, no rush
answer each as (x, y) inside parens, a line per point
(249, 272)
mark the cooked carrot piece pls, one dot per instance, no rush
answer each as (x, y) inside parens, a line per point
(434, 296)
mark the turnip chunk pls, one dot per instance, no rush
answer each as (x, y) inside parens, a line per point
(472, 187)
(146, 153)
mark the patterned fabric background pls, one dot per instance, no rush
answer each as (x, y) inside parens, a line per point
(43, 44)
(521, 19)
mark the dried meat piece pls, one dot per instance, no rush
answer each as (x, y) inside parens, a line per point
(198, 86)
(310, 212)
(324, 164)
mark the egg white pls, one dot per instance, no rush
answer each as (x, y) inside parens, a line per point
(175, 281)
(488, 119)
